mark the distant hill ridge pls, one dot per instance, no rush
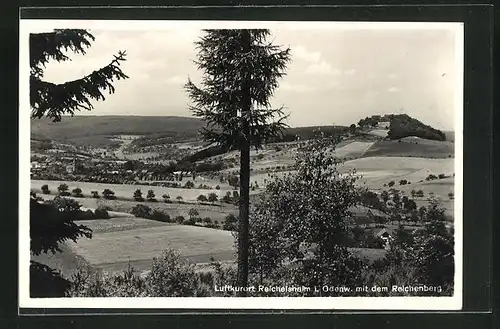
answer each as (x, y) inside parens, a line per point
(403, 125)
(71, 128)
(84, 128)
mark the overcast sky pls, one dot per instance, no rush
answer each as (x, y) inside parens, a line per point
(335, 77)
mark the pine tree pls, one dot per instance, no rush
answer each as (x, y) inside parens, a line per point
(241, 72)
(51, 225)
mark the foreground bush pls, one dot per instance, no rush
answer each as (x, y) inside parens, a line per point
(171, 276)
(86, 282)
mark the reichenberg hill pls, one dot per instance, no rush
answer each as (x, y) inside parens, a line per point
(402, 125)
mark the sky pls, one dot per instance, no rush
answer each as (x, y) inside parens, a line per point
(336, 76)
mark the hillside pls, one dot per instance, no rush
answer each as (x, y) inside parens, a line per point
(95, 129)
(403, 125)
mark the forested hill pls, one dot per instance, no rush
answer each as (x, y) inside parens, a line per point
(73, 128)
(403, 125)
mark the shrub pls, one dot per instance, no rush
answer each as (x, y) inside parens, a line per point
(138, 195)
(403, 182)
(108, 194)
(63, 190)
(166, 198)
(88, 214)
(160, 216)
(95, 194)
(419, 194)
(101, 213)
(171, 276)
(230, 223)
(391, 183)
(77, 192)
(431, 177)
(217, 187)
(451, 196)
(189, 221)
(207, 220)
(86, 282)
(227, 198)
(212, 197)
(441, 176)
(193, 212)
(202, 198)
(179, 219)
(141, 211)
(45, 189)
(151, 196)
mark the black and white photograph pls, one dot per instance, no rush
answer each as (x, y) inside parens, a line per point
(259, 165)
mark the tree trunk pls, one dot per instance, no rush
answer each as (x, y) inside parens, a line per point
(244, 202)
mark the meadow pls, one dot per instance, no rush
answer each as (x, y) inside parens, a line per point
(412, 147)
(113, 249)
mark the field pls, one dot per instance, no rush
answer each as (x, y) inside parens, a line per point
(118, 242)
(412, 147)
(377, 171)
(115, 244)
(378, 132)
(353, 150)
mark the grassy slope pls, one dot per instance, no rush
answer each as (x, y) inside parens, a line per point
(412, 147)
(140, 245)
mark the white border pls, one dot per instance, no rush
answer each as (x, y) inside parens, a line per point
(303, 303)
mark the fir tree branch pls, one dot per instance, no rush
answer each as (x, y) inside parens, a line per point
(47, 46)
(54, 100)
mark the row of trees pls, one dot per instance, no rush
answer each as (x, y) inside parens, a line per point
(194, 218)
(63, 190)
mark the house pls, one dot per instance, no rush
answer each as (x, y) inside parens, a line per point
(383, 233)
(386, 236)
(376, 216)
(366, 215)
(384, 124)
(70, 168)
